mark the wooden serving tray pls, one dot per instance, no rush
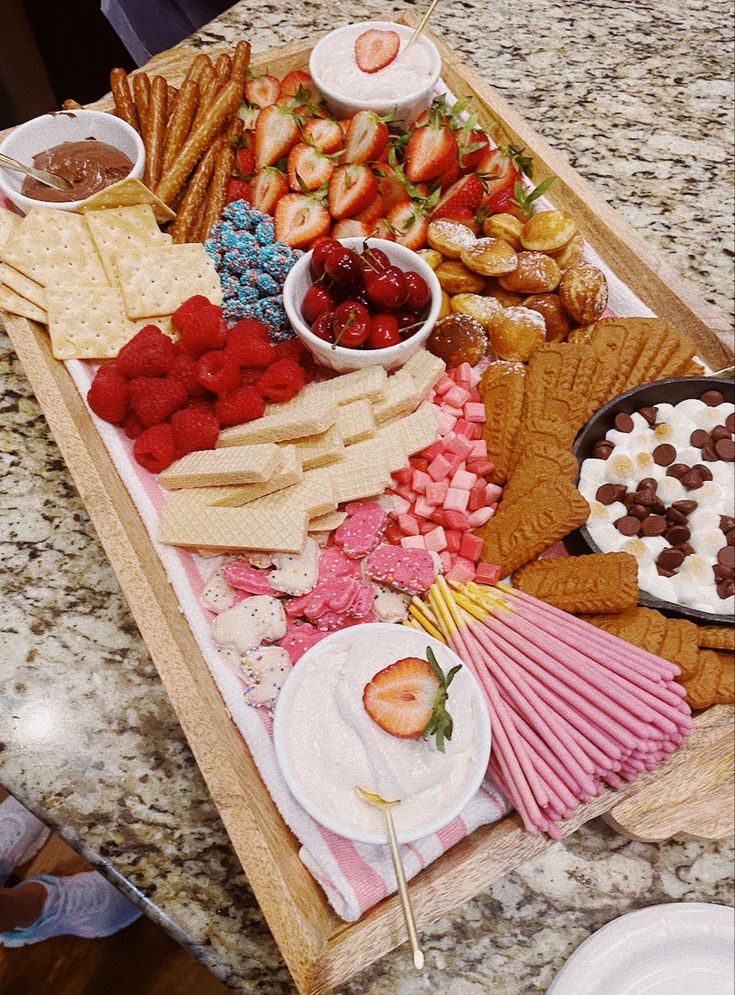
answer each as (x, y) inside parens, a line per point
(690, 794)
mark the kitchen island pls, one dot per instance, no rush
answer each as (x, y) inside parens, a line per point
(637, 97)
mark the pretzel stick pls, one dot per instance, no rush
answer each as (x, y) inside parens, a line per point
(141, 95)
(240, 63)
(155, 131)
(220, 180)
(218, 114)
(197, 68)
(124, 104)
(223, 67)
(171, 93)
(180, 122)
(72, 105)
(194, 198)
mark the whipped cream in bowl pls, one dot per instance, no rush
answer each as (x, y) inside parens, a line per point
(327, 744)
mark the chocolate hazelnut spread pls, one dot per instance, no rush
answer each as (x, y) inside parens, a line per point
(89, 166)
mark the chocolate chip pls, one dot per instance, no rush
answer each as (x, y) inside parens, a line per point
(730, 422)
(730, 536)
(686, 549)
(726, 588)
(654, 525)
(624, 423)
(704, 471)
(686, 507)
(726, 557)
(610, 493)
(699, 438)
(677, 535)
(649, 414)
(664, 572)
(676, 517)
(721, 573)
(677, 470)
(664, 455)
(712, 398)
(720, 432)
(670, 559)
(602, 449)
(647, 498)
(725, 449)
(628, 525)
(658, 507)
(692, 480)
(727, 523)
(708, 453)
(639, 511)
(647, 484)
(629, 501)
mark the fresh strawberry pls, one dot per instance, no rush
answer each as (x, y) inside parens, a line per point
(324, 133)
(376, 49)
(262, 91)
(297, 87)
(450, 176)
(307, 168)
(350, 228)
(238, 190)
(430, 151)
(244, 162)
(467, 193)
(498, 173)
(408, 699)
(300, 219)
(463, 216)
(471, 147)
(351, 188)
(344, 126)
(276, 133)
(266, 189)
(392, 187)
(367, 137)
(409, 224)
(382, 230)
(374, 210)
(248, 114)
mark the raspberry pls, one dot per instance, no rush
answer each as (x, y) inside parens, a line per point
(216, 372)
(194, 427)
(154, 448)
(282, 381)
(290, 349)
(205, 330)
(149, 354)
(108, 395)
(240, 406)
(249, 375)
(133, 426)
(186, 311)
(153, 399)
(248, 345)
(184, 369)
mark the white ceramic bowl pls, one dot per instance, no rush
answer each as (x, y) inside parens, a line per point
(338, 357)
(406, 642)
(405, 106)
(48, 130)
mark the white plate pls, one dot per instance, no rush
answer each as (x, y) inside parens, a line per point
(683, 948)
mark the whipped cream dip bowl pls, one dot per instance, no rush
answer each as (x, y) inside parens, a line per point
(327, 744)
(404, 87)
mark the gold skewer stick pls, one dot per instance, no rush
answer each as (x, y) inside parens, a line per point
(422, 25)
(385, 807)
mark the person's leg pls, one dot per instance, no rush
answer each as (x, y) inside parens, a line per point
(21, 906)
(21, 835)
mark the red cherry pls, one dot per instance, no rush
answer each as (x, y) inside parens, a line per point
(373, 260)
(351, 324)
(406, 319)
(343, 266)
(389, 289)
(419, 294)
(319, 255)
(383, 331)
(317, 300)
(322, 327)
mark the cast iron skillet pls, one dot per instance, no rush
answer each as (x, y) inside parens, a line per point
(648, 395)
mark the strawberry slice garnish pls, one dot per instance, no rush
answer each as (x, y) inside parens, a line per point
(262, 91)
(351, 188)
(376, 49)
(300, 220)
(276, 133)
(431, 150)
(408, 699)
(367, 136)
(374, 211)
(467, 193)
(307, 168)
(324, 134)
(298, 87)
(266, 189)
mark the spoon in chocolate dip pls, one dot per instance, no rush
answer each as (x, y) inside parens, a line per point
(385, 807)
(42, 175)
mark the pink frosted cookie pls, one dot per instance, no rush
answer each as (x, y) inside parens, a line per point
(244, 577)
(409, 570)
(333, 563)
(363, 530)
(300, 638)
(333, 602)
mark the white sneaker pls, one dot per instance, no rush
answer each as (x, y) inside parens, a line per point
(78, 905)
(21, 836)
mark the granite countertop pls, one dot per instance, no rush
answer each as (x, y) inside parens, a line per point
(638, 98)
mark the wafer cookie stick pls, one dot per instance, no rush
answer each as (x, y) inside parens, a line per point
(72, 105)
(155, 131)
(194, 197)
(220, 113)
(223, 67)
(180, 122)
(124, 103)
(240, 63)
(197, 68)
(141, 95)
(220, 180)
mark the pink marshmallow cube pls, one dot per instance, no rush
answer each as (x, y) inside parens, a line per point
(426, 526)
(413, 542)
(473, 431)
(443, 384)
(480, 466)
(457, 520)
(405, 492)
(463, 479)
(433, 450)
(436, 491)
(446, 559)
(479, 517)
(446, 423)
(454, 540)
(479, 449)
(456, 499)
(462, 374)
(475, 394)
(461, 427)
(462, 571)
(408, 525)
(420, 480)
(471, 546)
(459, 445)
(487, 573)
(439, 467)
(493, 493)
(436, 540)
(400, 504)
(403, 476)
(477, 497)
(438, 516)
(457, 396)
(423, 509)
(474, 411)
